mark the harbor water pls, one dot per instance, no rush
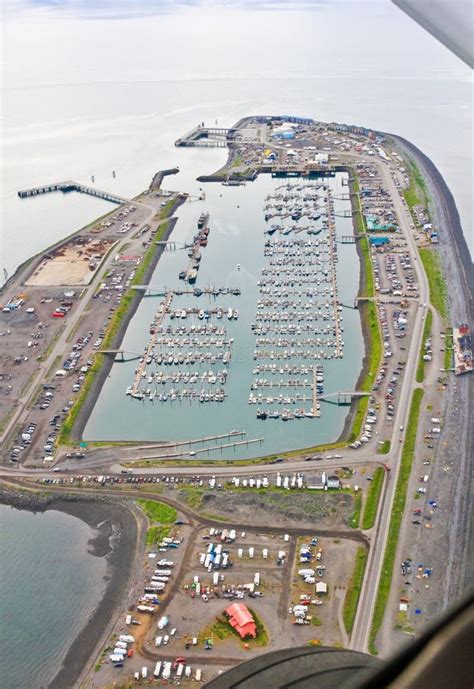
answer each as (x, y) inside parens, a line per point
(50, 585)
(105, 95)
(233, 258)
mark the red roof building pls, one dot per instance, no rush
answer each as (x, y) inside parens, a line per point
(240, 618)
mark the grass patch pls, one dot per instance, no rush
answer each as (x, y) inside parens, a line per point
(64, 437)
(214, 517)
(156, 534)
(420, 370)
(355, 517)
(436, 281)
(373, 497)
(384, 448)
(223, 630)
(398, 507)
(415, 194)
(351, 599)
(448, 349)
(157, 511)
(402, 623)
(374, 357)
(192, 496)
(368, 290)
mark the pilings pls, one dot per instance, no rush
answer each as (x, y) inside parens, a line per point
(72, 186)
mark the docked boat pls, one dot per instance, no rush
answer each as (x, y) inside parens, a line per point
(203, 218)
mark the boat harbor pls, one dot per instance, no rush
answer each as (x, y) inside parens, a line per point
(260, 336)
(298, 318)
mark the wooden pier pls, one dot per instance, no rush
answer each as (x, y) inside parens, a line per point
(332, 257)
(162, 290)
(73, 186)
(315, 408)
(151, 343)
(226, 445)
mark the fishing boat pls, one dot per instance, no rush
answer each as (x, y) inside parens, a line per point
(203, 218)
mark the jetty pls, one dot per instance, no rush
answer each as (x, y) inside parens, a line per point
(209, 137)
(73, 186)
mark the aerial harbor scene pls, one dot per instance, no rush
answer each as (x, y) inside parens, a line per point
(236, 347)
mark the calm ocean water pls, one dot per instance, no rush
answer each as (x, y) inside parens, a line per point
(50, 585)
(91, 87)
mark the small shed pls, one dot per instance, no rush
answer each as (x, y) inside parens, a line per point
(333, 481)
(321, 588)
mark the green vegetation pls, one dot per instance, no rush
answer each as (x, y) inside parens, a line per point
(316, 621)
(368, 289)
(396, 518)
(214, 517)
(191, 495)
(355, 517)
(351, 599)
(448, 346)
(402, 623)
(384, 448)
(156, 534)
(416, 194)
(223, 630)
(64, 437)
(375, 346)
(373, 362)
(436, 281)
(373, 497)
(158, 511)
(420, 371)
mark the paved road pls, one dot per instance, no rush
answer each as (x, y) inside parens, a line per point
(361, 631)
(61, 345)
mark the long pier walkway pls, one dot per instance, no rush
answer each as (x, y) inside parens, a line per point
(333, 259)
(315, 408)
(151, 343)
(72, 186)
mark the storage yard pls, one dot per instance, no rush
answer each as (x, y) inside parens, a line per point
(72, 264)
(178, 626)
(280, 540)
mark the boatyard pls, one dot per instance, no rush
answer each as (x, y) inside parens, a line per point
(257, 314)
(211, 343)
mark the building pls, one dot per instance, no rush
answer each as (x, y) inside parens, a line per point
(379, 241)
(321, 588)
(333, 482)
(240, 618)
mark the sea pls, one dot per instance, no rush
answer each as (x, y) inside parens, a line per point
(90, 87)
(50, 585)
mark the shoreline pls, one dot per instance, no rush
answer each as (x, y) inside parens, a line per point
(433, 176)
(107, 517)
(108, 362)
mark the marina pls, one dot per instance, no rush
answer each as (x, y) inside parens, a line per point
(260, 335)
